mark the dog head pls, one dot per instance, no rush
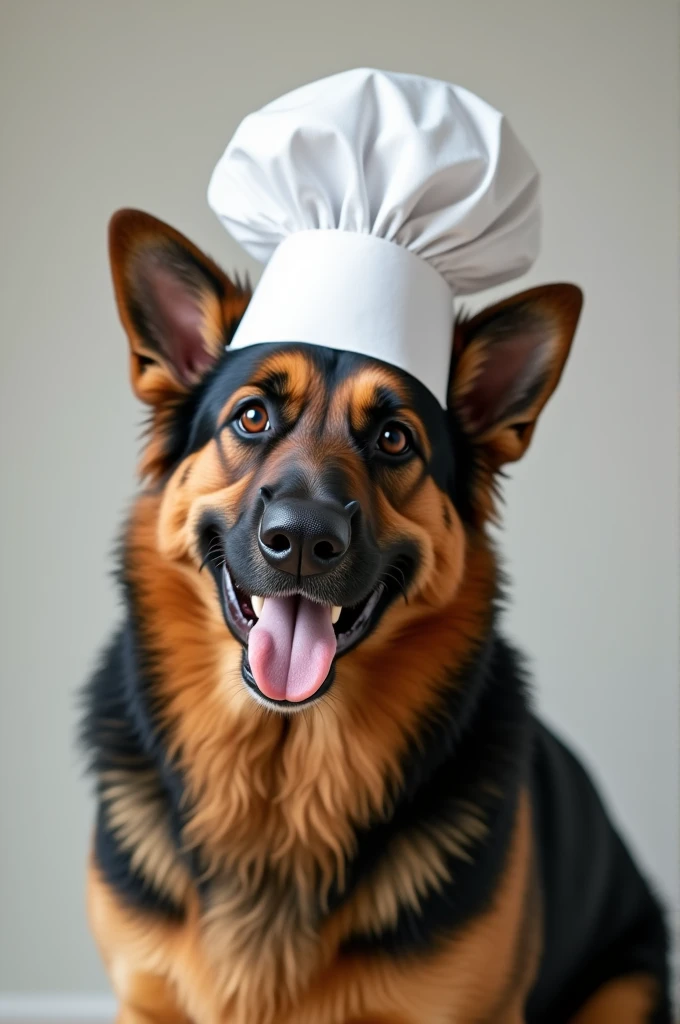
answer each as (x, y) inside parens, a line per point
(330, 498)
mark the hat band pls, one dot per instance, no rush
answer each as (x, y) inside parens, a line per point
(355, 293)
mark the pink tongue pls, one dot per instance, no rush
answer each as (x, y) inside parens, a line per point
(291, 647)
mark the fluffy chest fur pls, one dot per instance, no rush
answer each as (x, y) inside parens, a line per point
(287, 845)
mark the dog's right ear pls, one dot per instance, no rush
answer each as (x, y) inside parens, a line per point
(178, 308)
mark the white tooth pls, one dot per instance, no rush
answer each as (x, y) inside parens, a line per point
(258, 604)
(335, 613)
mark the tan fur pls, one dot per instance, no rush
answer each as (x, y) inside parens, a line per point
(628, 1000)
(134, 235)
(552, 312)
(289, 809)
(452, 984)
(135, 809)
(415, 865)
(301, 386)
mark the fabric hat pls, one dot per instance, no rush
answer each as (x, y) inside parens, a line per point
(374, 198)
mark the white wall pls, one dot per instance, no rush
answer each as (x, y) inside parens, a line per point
(105, 104)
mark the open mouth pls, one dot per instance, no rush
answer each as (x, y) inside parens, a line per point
(291, 643)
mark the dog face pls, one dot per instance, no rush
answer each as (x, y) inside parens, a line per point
(319, 488)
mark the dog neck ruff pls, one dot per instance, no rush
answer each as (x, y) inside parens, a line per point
(374, 198)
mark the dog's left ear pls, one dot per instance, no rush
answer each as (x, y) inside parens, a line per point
(179, 310)
(507, 361)
(177, 306)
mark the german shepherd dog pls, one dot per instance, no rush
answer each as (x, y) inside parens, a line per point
(323, 797)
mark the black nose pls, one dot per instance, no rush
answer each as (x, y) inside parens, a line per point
(304, 537)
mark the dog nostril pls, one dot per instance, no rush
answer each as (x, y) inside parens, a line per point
(324, 550)
(279, 542)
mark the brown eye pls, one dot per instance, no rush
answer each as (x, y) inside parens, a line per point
(394, 439)
(254, 419)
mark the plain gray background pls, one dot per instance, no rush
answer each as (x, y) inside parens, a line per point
(108, 104)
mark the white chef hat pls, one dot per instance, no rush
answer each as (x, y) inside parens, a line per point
(374, 198)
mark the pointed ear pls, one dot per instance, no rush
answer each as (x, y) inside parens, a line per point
(178, 308)
(507, 362)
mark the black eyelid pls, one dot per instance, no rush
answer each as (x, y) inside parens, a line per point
(245, 403)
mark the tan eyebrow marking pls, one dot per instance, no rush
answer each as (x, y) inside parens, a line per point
(364, 389)
(291, 377)
(356, 397)
(247, 391)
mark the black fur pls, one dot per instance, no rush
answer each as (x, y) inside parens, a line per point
(194, 418)
(479, 736)
(120, 731)
(479, 740)
(600, 918)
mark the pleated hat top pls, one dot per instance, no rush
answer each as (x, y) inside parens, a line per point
(374, 199)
